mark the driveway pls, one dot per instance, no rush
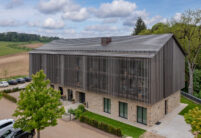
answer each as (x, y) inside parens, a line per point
(173, 125)
(70, 129)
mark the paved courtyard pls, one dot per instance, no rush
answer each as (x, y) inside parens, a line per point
(70, 129)
(173, 125)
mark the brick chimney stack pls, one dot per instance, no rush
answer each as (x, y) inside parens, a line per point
(106, 40)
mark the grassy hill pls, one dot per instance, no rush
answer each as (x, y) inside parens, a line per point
(10, 48)
(14, 58)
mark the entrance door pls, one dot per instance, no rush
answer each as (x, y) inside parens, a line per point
(81, 97)
(61, 90)
(70, 94)
(166, 106)
(142, 115)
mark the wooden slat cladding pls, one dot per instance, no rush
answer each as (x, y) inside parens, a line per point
(53, 68)
(35, 63)
(142, 79)
(73, 71)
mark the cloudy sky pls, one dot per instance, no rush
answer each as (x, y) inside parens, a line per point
(87, 18)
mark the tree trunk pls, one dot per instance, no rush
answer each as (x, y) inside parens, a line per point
(38, 133)
(190, 86)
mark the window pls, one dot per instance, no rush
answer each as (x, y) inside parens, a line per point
(141, 115)
(52, 86)
(123, 110)
(107, 105)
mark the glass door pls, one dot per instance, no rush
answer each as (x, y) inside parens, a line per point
(141, 115)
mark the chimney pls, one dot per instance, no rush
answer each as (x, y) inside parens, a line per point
(106, 40)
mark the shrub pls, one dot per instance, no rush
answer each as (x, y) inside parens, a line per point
(9, 97)
(81, 107)
(12, 90)
(100, 125)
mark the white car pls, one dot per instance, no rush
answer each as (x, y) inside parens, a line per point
(5, 125)
(4, 84)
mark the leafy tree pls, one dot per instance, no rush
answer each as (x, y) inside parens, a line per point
(139, 26)
(188, 32)
(193, 117)
(39, 106)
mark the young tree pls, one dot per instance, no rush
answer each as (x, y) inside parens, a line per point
(188, 32)
(193, 117)
(39, 106)
(139, 26)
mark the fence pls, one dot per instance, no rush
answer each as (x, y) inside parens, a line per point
(195, 99)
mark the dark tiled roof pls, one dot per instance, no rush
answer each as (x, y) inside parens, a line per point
(136, 46)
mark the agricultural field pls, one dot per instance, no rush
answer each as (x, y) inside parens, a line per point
(14, 58)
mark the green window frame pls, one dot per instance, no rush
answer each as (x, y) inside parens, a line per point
(142, 115)
(107, 105)
(123, 110)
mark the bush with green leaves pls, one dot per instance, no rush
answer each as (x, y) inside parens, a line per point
(100, 125)
(77, 112)
(193, 117)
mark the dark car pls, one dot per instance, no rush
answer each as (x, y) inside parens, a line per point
(27, 79)
(18, 133)
(20, 80)
(12, 82)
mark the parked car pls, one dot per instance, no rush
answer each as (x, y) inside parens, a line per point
(27, 79)
(12, 82)
(17, 133)
(5, 125)
(20, 80)
(4, 84)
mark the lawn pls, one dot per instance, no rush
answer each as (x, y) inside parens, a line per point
(9, 48)
(190, 105)
(127, 130)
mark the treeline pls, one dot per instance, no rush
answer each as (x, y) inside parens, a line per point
(22, 37)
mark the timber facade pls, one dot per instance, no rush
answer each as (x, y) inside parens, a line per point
(113, 74)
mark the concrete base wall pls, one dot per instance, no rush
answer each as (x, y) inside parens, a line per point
(155, 112)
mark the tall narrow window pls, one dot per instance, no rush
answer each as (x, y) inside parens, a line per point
(123, 110)
(107, 105)
(141, 115)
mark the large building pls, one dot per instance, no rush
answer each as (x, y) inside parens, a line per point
(127, 78)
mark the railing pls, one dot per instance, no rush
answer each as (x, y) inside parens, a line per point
(195, 99)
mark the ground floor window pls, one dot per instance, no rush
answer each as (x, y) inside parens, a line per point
(141, 115)
(107, 105)
(81, 97)
(70, 95)
(123, 110)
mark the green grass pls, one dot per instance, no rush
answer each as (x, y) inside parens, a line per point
(127, 130)
(14, 77)
(9, 48)
(190, 105)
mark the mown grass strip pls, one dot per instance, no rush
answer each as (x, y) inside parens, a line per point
(127, 130)
(190, 105)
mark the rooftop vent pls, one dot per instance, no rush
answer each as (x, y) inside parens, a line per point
(106, 40)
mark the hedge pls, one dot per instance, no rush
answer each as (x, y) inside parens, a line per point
(101, 125)
(9, 97)
(12, 90)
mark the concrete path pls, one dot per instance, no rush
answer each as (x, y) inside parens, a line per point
(173, 125)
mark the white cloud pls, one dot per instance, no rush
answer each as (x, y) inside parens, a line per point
(101, 28)
(9, 23)
(177, 16)
(52, 6)
(76, 15)
(118, 8)
(50, 23)
(14, 4)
